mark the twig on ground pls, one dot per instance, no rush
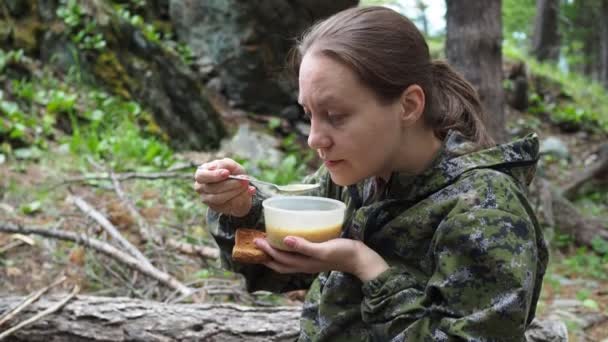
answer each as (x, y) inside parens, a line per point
(146, 232)
(109, 227)
(40, 315)
(128, 175)
(104, 248)
(32, 297)
(144, 228)
(10, 246)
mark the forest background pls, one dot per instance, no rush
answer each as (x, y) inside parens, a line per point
(108, 106)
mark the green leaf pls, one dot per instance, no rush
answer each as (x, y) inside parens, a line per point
(202, 274)
(31, 208)
(591, 304)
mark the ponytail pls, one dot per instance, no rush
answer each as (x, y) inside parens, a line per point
(456, 106)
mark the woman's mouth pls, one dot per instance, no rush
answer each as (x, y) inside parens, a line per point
(333, 163)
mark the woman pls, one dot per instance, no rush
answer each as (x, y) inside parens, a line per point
(439, 241)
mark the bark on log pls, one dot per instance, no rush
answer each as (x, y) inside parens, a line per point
(88, 318)
(597, 170)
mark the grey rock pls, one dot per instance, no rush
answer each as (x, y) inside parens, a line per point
(555, 146)
(248, 41)
(547, 330)
(254, 146)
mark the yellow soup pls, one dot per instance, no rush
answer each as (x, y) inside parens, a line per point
(276, 235)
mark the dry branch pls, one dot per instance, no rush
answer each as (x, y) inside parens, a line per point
(144, 228)
(90, 318)
(41, 314)
(27, 301)
(104, 248)
(129, 175)
(146, 232)
(109, 227)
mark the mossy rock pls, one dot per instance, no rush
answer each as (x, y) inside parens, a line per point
(109, 69)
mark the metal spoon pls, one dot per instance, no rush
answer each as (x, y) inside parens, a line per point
(282, 188)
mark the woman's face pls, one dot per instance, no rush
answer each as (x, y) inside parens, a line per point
(355, 134)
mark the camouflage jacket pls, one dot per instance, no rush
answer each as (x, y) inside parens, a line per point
(466, 254)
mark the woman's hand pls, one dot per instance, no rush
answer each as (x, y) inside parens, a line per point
(344, 255)
(226, 196)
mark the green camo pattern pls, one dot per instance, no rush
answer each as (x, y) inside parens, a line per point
(466, 253)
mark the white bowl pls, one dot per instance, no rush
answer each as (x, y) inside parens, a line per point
(316, 219)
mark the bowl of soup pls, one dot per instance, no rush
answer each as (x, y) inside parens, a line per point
(316, 219)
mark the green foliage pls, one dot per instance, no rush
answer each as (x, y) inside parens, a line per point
(579, 25)
(588, 263)
(18, 125)
(81, 28)
(154, 34)
(9, 57)
(589, 104)
(112, 134)
(518, 19)
(101, 126)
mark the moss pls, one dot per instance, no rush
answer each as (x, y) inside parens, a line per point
(109, 69)
(27, 34)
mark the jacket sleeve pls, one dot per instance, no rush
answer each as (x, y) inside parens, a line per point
(481, 289)
(258, 277)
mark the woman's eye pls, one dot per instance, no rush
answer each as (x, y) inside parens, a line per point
(336, 119)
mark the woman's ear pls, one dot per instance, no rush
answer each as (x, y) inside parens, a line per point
(412, 103)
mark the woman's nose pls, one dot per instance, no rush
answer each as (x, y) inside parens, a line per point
(318, 139)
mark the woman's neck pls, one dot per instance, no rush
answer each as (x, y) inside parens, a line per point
(417, 154)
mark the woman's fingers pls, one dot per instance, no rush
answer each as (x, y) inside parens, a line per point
(285, 259)
(217, 170)
(223, 197)
(220, 187)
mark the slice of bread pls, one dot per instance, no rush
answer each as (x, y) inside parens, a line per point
(245, 250)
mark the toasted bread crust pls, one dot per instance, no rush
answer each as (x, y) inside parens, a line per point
(245, 250)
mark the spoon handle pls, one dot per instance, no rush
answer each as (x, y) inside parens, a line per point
(251, 179)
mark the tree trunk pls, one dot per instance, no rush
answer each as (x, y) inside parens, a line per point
(545, 40)
(88, 318)
(473, 47)
(604, 44)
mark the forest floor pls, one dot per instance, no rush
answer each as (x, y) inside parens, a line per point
(33, 194)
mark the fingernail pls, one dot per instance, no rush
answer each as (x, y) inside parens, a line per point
(290, 242)
(224, 173)
(251, 190)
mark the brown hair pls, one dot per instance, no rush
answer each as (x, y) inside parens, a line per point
(388, 53)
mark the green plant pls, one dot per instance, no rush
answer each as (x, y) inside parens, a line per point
(589, 104)
(10, 57)
(82, 30)
(588, 263)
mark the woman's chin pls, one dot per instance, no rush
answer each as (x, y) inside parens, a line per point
(343, 180)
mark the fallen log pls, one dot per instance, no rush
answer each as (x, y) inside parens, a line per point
(88, 318)
(557, 212)
(597, 170)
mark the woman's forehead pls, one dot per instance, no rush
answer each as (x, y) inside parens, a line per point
(324, 80)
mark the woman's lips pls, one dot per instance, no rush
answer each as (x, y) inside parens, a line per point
(333, 163)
